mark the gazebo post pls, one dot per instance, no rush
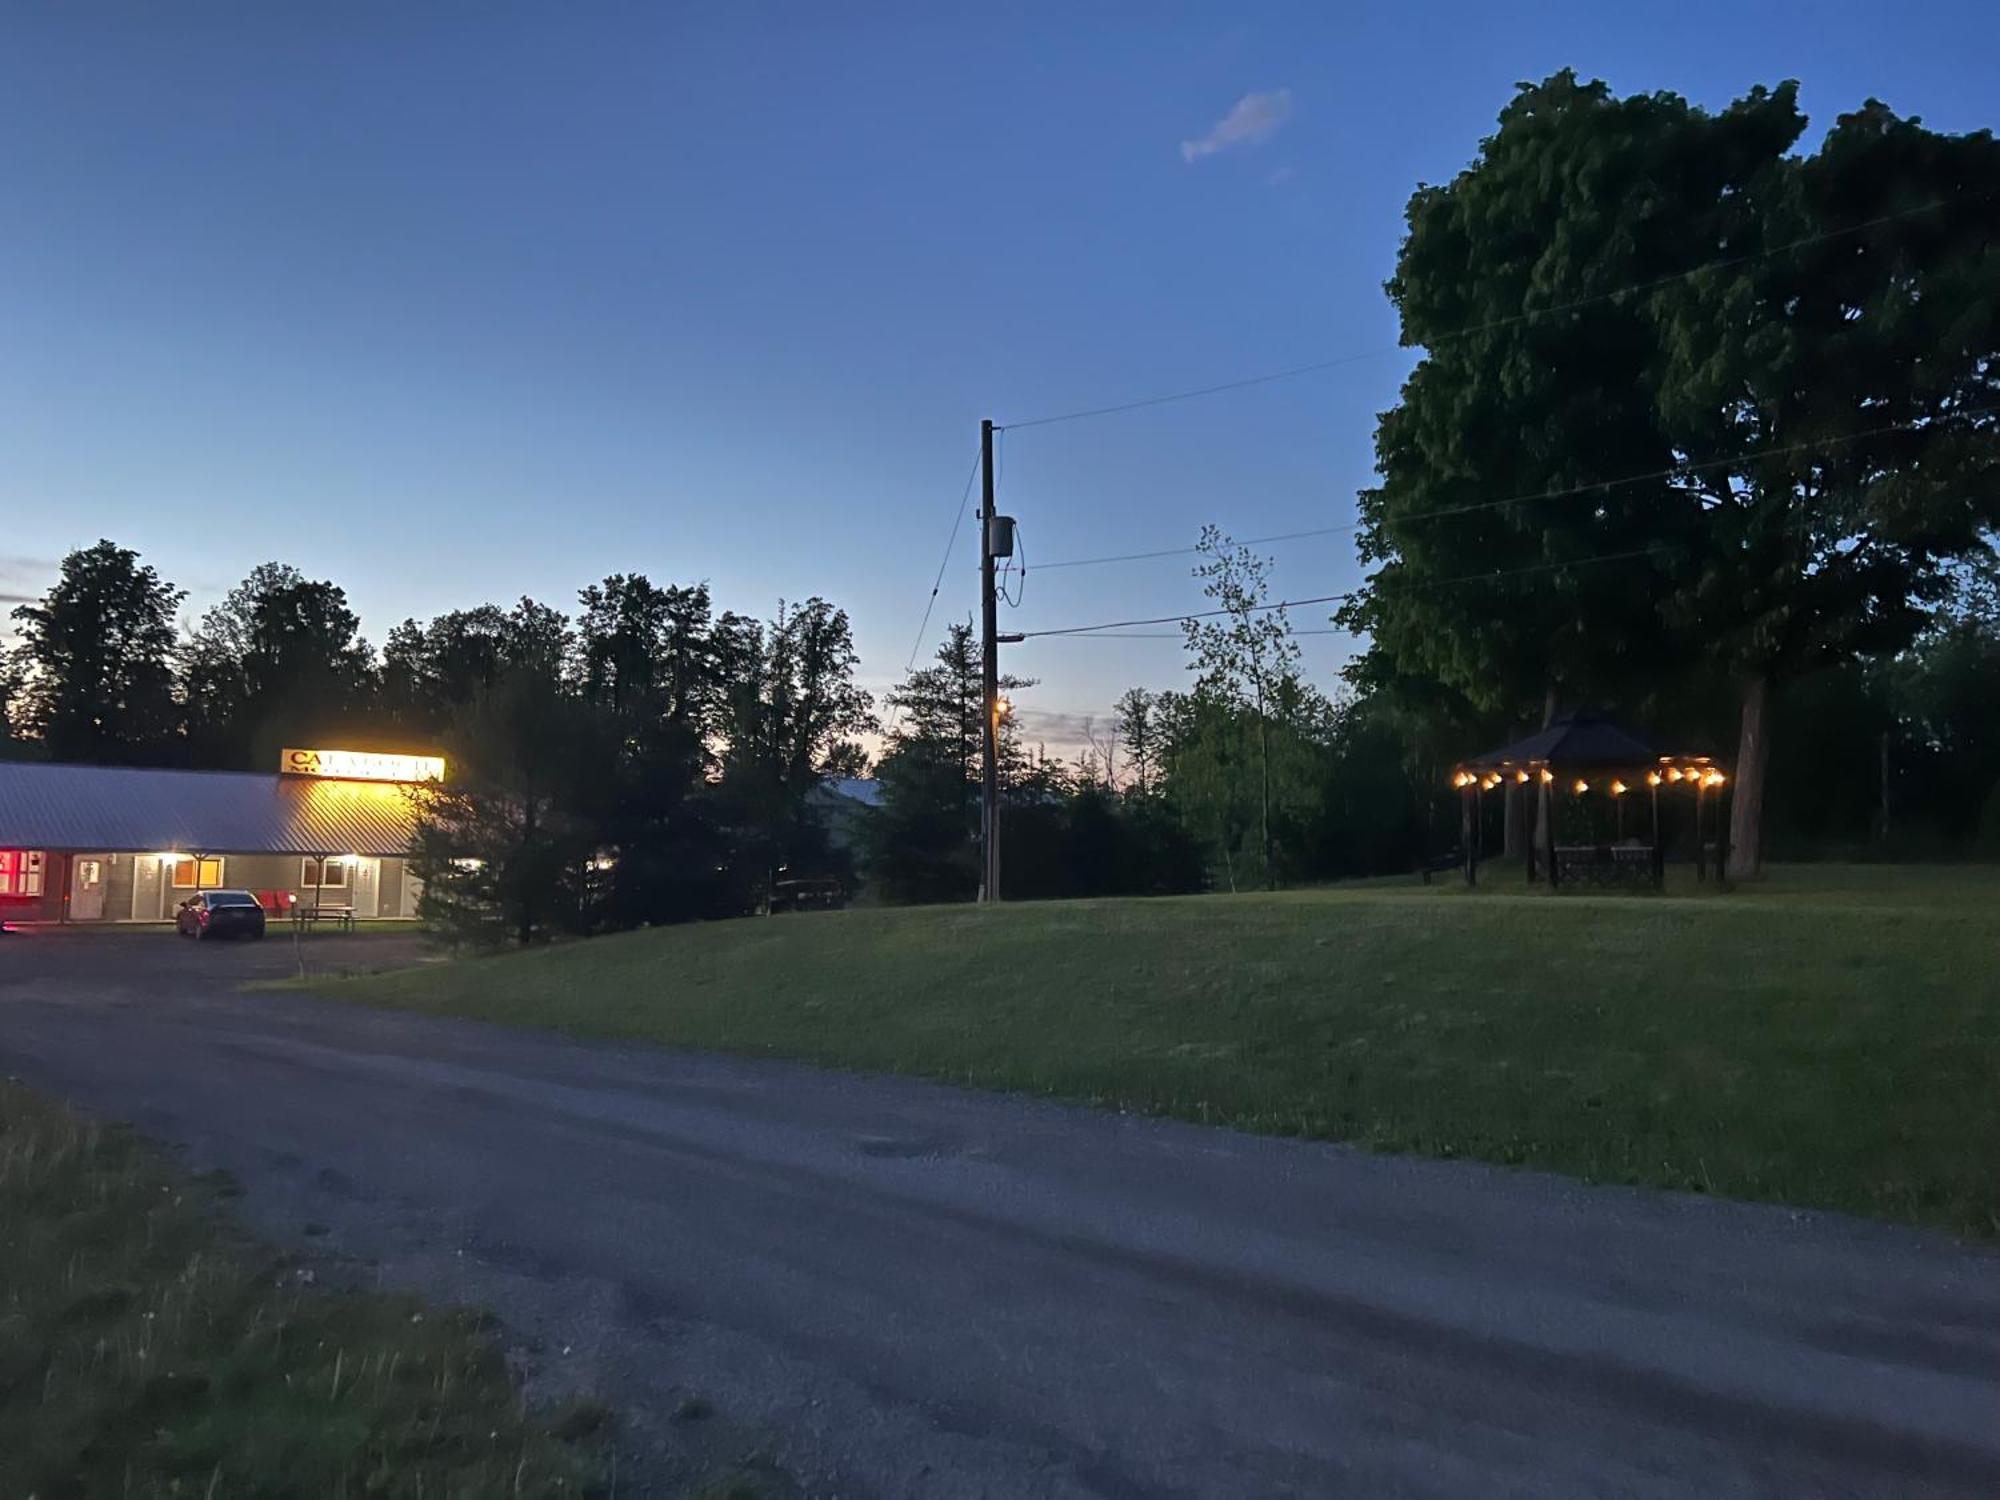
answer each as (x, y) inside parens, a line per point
(1549, 829)
(1465, 796)
(1722, 843)
(1700, 846)
(1659, 851)
(1528, 843)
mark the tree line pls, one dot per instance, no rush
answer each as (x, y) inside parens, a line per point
(647, 759)
(1250, 777)
(1702, 430)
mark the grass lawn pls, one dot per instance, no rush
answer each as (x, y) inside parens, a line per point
(148, 1350)
(1831, 1037)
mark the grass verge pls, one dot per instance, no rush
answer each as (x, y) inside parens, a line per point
(147, 1349)
(1830, 1039)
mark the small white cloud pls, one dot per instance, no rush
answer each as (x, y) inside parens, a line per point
(1253, 118)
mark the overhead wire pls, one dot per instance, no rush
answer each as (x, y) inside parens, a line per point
(1175, 635)
(930, 604)
(1343, 596)
(937, 583)
(1491, 325)
(1594, 486)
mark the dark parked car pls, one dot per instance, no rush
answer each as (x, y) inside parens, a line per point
(807, 895)
(220, 914)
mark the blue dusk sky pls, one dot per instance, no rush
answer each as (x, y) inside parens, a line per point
(458, 302)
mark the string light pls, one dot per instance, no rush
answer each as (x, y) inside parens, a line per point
(1547, 776)
(1521, 777)
(1582, 786)
(1673, 773)
(1652, 778)
(1619, 789)
(1714, 778)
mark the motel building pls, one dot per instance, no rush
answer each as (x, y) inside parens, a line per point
(330, 830)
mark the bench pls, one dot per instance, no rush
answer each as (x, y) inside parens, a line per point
(305, 912)
(1605, 864)
(1439, 864)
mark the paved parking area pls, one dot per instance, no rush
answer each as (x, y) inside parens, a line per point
(101, 963)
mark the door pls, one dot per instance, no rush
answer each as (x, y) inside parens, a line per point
(365, 877)
(146, 882)
(86, 887)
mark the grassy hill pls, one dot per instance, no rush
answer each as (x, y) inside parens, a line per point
(1830, 1038)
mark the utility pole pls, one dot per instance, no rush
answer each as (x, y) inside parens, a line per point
(989, 642)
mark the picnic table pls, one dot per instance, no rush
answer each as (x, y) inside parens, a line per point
(1605, 864)
(343, 916)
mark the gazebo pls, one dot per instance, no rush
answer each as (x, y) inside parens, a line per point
(1585, 755)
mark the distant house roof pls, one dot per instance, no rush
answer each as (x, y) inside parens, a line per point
(1579, 742)
(863, 789)
(117, 808)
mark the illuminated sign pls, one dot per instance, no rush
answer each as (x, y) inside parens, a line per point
(361, 765)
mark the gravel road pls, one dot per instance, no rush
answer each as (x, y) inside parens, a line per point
(891, 1288)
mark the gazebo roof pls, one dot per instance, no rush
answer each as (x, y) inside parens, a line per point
(1582, 741)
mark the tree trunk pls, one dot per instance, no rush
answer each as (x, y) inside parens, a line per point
(1542, 839)
(1753, 760)
(1512, 833)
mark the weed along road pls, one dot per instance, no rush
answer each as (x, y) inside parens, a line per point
(892, 1288)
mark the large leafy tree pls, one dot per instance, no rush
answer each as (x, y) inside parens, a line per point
(280, 656)
(511, 844)
(792, 717)
(430, 670)
(92, 672)
(660, 664)
(1619, 287)
(1835, 396)
(1506, 563)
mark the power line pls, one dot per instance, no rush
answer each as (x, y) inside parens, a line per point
(923, 626)
(1175, 635)
(1594, 486)
(1526, 315)
(1342, 597)
(937, 583)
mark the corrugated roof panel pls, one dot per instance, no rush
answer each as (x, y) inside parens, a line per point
(223, 812)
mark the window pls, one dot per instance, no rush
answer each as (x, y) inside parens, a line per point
(336, 874)
(21, 872)
(198, 874)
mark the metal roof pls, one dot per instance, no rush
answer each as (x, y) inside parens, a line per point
(863, 789)
(1581, 741)
(118, 808)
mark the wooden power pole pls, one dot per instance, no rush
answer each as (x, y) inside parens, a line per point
(989, 672)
